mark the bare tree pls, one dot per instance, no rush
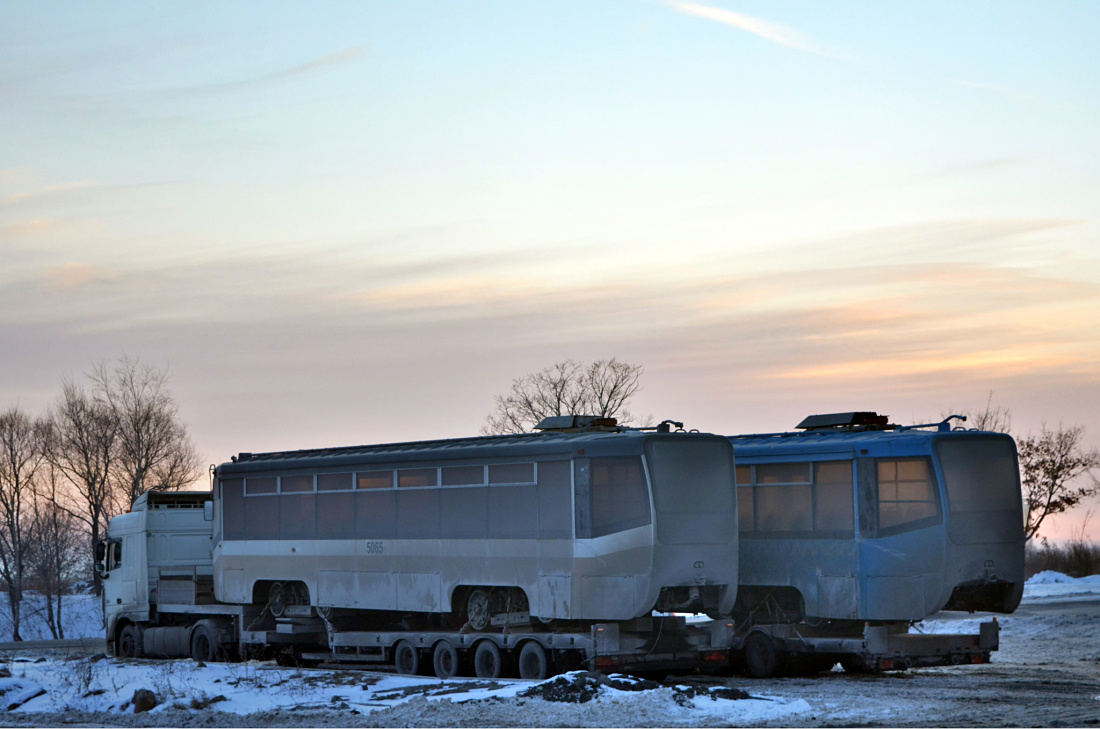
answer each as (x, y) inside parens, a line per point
(154, 449)
(58, 550)
(602, 388)
(21, 455)
(82, 445)
(994, 418)
(1049, 463)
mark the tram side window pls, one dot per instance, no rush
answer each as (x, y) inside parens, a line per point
(620, 499)
(906, 492)
(784, 497)
(834, 503)
(745, 518)
(792, 499)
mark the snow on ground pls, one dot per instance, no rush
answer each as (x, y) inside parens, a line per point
(106, 686)
(35, 687)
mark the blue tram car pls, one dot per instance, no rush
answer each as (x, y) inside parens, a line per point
(855, 519)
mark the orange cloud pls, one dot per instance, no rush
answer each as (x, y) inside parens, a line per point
(74, 275)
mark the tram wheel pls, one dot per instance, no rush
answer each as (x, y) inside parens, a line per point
(277, 599)
(478, 609)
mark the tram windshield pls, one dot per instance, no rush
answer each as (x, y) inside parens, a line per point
(693, 490)
(983, 488)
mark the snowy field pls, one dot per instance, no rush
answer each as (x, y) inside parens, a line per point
(1047, 673)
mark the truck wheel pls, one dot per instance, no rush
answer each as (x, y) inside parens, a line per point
(533, 663)
(204, 646)
(762, 657)
(130, 642)
(406, 658)
(445, 659)
(487, 660)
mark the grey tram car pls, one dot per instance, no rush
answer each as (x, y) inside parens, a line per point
(855, 524)
(583, 523)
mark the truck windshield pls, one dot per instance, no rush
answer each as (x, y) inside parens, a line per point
(983, 488)
(693, 490)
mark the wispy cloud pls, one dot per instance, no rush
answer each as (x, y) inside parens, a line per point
(765, 29)
(333, 59)
(49, 191)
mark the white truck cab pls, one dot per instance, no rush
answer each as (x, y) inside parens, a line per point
(159, 553)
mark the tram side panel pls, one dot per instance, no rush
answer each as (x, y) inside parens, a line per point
(582, 539)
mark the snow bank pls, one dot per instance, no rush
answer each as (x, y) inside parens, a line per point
(1048, 584)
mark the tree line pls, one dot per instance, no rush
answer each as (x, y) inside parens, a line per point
(105, 441)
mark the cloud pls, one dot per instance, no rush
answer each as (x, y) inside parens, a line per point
(75, 275)
(765, 29)
(49, 191)
(343, 56)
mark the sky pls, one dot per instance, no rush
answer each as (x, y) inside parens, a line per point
(343, 223)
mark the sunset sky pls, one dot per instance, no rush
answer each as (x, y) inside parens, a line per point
(343, 223)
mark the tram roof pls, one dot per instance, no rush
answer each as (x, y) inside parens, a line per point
(848, 438)
(478, 446)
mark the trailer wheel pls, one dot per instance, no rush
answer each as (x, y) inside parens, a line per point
(445, 659)
(204, 646)
(762, 656)
(406, 658)
(130, 642)
(533, 663)
(488, 662)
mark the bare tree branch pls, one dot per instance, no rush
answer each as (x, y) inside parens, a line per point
(1049, 462)
(602, 388)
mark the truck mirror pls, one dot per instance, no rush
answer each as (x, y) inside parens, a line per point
(208, 510)
(100, 553)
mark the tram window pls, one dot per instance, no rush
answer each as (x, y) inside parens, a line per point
(906, 492)
(555, 499)
(745, 516)
(783, 473)
(784, 508)
(256, 486)
(743, 475)
(233, 507)
(375, 480)
(512, 473)
(833, 507)
(295, 484)
(620, 499)
(463, 476)
(415, 477)
(335, 482)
